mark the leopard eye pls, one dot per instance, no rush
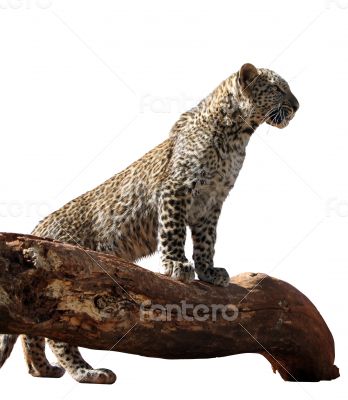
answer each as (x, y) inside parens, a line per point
(282, 91)
(273, 89)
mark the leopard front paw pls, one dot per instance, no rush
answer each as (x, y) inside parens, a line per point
(216, 276)
(179, 270)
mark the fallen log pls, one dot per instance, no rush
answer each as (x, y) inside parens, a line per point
(96, 300)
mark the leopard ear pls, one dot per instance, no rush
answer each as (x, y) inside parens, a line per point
(247, 74)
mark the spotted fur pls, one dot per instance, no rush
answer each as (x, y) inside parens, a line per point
(181, 182)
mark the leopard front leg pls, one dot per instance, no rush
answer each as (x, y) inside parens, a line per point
(172, 235)
(204, 238)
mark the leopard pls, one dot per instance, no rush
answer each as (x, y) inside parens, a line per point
(180, 184)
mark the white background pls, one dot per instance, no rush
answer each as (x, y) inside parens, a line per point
(86, 87)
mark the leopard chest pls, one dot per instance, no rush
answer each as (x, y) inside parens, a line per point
(213, 188)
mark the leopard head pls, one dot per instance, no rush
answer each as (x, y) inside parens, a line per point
(268, 94)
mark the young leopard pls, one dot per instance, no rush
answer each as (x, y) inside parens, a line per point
(182, 182)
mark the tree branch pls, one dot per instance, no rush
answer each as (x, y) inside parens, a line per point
(99, 301)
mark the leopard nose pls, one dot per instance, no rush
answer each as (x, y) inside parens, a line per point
(294, 102)
(295, 105)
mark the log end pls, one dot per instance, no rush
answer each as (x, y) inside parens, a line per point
(299, 369)
(298, 343)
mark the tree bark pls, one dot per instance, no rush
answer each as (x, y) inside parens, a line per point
(99, 301)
